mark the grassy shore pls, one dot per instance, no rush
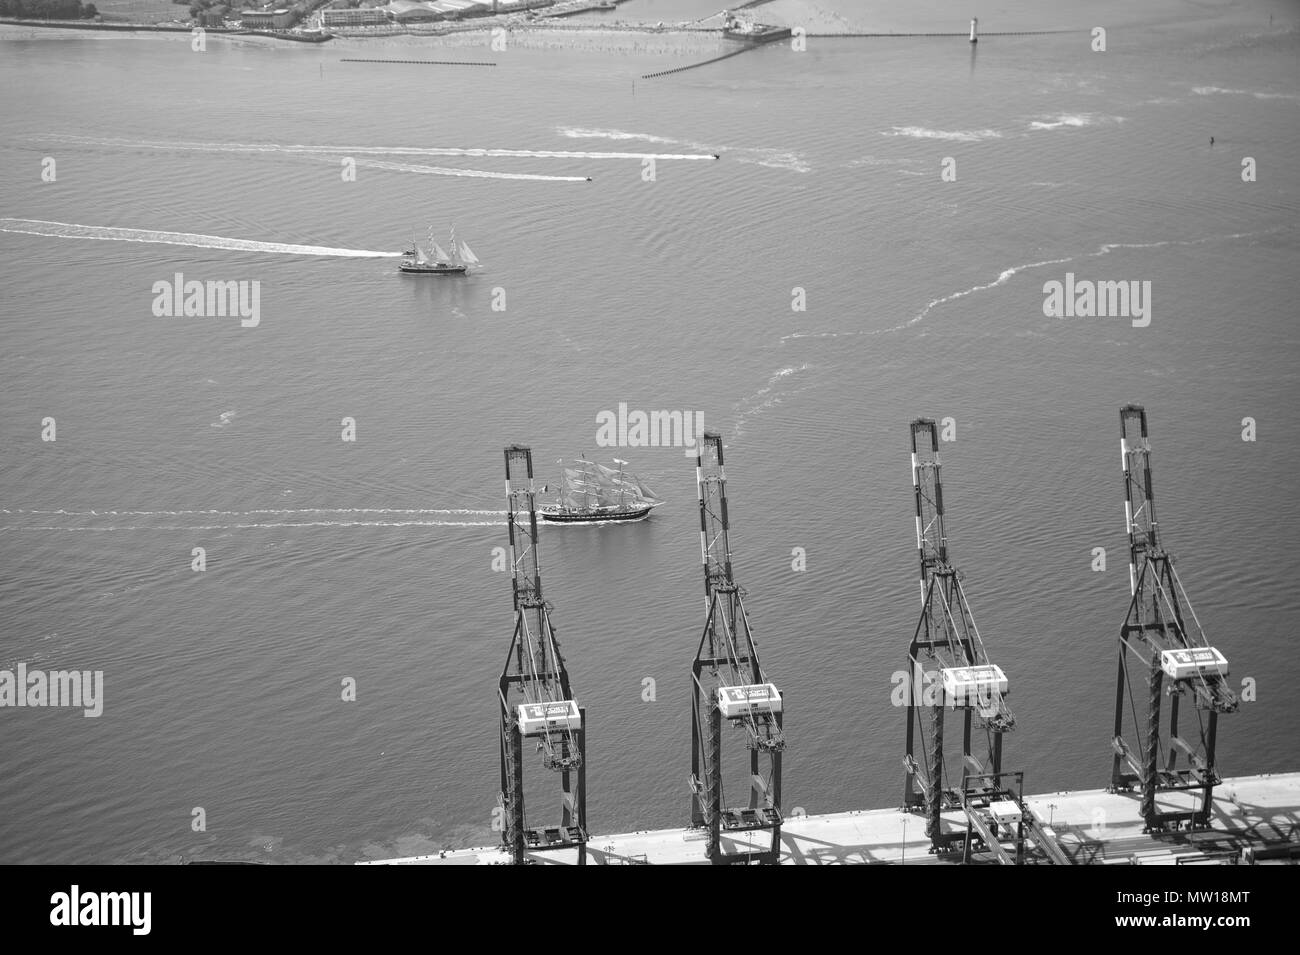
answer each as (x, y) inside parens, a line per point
(141, 11)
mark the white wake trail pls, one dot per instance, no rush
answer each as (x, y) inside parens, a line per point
(265, 510)
(269, 518)
(254, 526)
(301, 149)
(1007, 274)
(469, 173)
(73, 230)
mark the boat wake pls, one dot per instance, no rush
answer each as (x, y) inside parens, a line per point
(470, 173)
(956, 135)
(97, 521)
(1074, 121)
(1007, 274)
(1223, 91)
(298, 149)
(73, 230)
(772, 159)
(618, 135)
(754, 156)
(773, 393)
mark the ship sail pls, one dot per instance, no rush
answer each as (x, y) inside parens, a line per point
(589, 492)
(439, 254)
(592, 486)
(467, 255)
(645, 492)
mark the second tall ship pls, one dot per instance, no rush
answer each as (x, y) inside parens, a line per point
(435, 260)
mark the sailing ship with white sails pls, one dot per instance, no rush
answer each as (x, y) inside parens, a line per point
(433, 259)
(590, 493)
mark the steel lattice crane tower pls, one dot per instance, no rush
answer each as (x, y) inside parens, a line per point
(1157, 634)
(728, 686)
(948, 666)
(536, 700)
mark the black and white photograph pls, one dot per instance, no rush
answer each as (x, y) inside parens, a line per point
(648, 432)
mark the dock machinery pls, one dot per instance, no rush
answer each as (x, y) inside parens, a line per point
(728, 686)
(1157, 642)
(536, 700)
(949, 669)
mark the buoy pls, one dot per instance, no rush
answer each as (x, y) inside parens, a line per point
(974, 23)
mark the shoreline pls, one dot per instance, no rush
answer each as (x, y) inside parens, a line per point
(824, 19)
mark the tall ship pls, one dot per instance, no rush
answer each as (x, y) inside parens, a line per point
(432, 259)
(590, 493)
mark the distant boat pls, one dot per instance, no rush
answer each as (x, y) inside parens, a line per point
(739, 28)
(590, 493)
(434, 260)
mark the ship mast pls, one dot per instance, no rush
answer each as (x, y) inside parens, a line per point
(622, 488)
(586, 484)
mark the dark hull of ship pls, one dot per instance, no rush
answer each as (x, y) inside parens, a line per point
(580, 516)
(416, 269)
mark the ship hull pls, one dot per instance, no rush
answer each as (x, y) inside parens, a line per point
(412, 269)
(622, 515)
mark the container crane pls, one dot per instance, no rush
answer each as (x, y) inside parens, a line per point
(728, 685)
(950, 669)
(536, 699)
(1161, 638)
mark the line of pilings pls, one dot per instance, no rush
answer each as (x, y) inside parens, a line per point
(691, 66)
(421, 62)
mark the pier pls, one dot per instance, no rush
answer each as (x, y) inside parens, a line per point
(1255, 819)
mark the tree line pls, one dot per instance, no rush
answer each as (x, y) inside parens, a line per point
(48, 9)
